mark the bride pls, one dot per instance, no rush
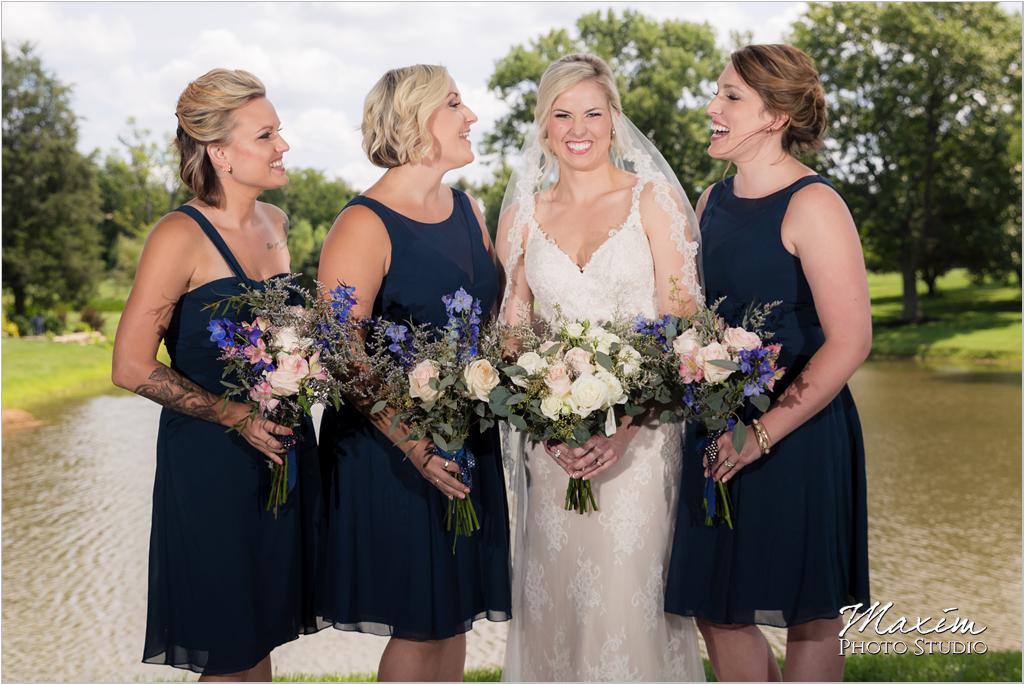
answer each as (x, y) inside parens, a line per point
(594, 224)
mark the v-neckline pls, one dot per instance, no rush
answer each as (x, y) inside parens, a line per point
(581, 270)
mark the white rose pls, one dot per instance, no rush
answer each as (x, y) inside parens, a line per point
(573, 329)
(589, 393)
(629, 360)
(289, 371)
(557, 379)
(687, 343)
(738, 338)
(552, 407)
(615, 393)
(602, 339)
(713, 352)
(532, 363)
(579, 360)
(480, 378)
(419, 381)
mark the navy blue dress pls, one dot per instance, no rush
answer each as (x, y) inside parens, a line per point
(389, 568)
(227, 581)
(798, 550)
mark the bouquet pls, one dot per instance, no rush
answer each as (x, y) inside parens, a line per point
(438, 383)
(274, 361)
(571, 381)
(716, 370)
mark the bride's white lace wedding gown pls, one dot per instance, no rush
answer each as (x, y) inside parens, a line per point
(588, 589)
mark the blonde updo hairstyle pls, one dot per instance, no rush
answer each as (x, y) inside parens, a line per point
(396, 112)
(204, 118)
(788, 83)
(559, 77)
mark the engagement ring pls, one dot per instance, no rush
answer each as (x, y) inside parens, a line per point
(729, 464)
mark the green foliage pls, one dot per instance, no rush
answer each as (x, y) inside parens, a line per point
(664, 70)
(924, 101)
(51, 201)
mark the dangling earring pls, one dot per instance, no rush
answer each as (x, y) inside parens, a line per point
(227, 169)
(613, 131)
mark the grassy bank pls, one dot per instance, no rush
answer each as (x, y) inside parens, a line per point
(966, 324)
(996, 666)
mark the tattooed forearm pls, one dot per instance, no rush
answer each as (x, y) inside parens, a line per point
(171, 389)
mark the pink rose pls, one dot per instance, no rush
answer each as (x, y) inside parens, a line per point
(264, 394)
(738, 338)
(579, 360)
(714, 352)
(557, 379)
(290, 371)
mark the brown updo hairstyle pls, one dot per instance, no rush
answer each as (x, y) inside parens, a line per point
(204, 118)
(787, 81)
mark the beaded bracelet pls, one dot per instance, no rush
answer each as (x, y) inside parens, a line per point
(761, 434)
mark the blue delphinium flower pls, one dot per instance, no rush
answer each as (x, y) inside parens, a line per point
(689, 396)
(654, 328)
(342, 300)
(752, 389)
(463, 327)
(730, 423)
(399, 336)
(222, 331)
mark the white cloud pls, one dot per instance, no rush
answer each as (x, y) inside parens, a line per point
(318, 60)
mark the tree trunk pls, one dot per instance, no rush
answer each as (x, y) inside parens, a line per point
(19, 299)
(908, 269)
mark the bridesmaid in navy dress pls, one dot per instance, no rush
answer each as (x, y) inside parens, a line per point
(227, 580)
(407, 241)
(778, 231)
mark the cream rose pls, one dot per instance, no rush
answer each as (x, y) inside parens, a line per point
(552, 406)
(713, 352)
(480, 378)
(615, 393)
(629, 360)
(686, 343)
(602, 339)
(532, 363)
(557, 379)
(589, 393)
(419, 381)
(289, 371)
(738, 338)
(286, 339)
(573, 329)
(579, 360)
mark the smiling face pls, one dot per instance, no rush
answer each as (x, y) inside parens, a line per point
(449, 125)
(255, 152)
(739, 121)
(579, 127)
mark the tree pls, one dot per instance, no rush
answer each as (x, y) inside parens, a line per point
(663, 70)
(51, 243)
(312, 202)
(921, 100)
(137, 184)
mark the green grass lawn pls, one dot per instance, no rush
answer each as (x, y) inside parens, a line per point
(966, 322)
(996, 666)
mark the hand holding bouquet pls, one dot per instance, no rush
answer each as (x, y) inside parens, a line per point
(717, 370)
(273, 361)
(437, 383)
(569, 382)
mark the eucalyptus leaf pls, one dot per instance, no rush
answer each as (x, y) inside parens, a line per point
(667, 417)
(513, 370)
(439, 441)
(739, 436)
(761, 401)
(517, 422)
(725, 363)
(515, 399)
(581, 434)
(634, 410)
(378, 407)
(604, 360)
(715, 423)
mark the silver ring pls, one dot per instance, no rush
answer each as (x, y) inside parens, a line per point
(437, 481)
(730, 465)
(445, 466)
(558, 454)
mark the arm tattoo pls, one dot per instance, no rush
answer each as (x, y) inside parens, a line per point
(175, 391)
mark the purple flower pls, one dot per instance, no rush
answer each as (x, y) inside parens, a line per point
(752, 389)
(343, 298)
(459, 302)
(222, 331)
(689, 397)
(730, 424)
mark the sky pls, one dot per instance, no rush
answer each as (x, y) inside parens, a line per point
(317, 60)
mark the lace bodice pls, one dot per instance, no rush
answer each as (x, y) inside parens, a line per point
(617, 280)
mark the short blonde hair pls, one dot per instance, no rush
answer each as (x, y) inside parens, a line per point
(204, 117)
(562, 75)
(396, 111)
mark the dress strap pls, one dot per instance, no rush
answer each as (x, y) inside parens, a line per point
(808, 180)
(215, 238)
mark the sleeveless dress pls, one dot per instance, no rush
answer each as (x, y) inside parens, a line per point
(798, 550)
(388, 563)
(228, 582)
(589, 588)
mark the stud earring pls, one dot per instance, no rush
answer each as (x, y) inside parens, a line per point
(613, 132)
(227, 169)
